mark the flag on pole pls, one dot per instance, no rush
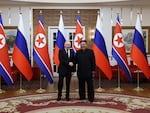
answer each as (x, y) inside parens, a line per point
(5, 69)
(78, 35)
(118, 50)
(20, 54)
(138, 51)
(40, 51)
(100, 51)
(60, 40)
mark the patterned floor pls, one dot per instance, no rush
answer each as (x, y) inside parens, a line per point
(104, 103)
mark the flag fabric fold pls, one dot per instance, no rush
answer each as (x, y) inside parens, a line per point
(78, 35)
(60, 40)
(20, 54)
(100, 51)
(40, 51)
(118, 50)
(5, 69)
(138, 51)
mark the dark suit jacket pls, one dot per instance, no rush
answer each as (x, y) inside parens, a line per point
(64, 67)
(86, 62)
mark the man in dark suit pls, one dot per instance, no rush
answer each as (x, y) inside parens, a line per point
(86, 68)
(65, 68)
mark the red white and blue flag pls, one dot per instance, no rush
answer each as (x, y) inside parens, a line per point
(20, 54)
(78, 35)
(5, 69)
(138, 51)
(118, 50)
(40, 51)
(100, 51)
(60, 40)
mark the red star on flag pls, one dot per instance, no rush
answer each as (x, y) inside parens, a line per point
(40, 40)
(79, 40)
(1, 41)
(119, 40)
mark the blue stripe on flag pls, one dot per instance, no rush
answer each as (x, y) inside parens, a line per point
(118, 19)
(122, 64)
(1, 22)
(41, 20)
(139, 42)
(74, 51)
(5, 75)
(100, 43)
(60, 40)
(42, 66)
(79, 19)
(21, 44)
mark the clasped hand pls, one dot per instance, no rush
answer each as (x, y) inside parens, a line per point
(71, 64)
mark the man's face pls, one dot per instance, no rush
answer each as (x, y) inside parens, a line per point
(83, 45)
(67, 45)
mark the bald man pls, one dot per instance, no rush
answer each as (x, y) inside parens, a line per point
(66, 67)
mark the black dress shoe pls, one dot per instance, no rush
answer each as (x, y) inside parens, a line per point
(90, 101)
(82, 99)
(67, 99)
(59, 98)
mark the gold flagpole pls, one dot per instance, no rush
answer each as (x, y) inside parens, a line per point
(40, 90)
(64, 86)
(100, 89)
(118, 88)
(20, 89)
(1, 91)
(78, 12)
(77, 89)
(138, 82)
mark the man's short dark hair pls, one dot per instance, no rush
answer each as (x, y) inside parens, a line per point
(83, 41)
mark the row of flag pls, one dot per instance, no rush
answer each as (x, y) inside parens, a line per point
(20, 55)
(99, 47)
(138, 51)
(41, 56)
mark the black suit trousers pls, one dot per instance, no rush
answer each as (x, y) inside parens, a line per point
(60, 84)
(90, 87)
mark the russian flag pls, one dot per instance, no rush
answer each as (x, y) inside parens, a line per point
(60, 40)
(138, 51)
(5, 69)
(100, 51)
(20, 54)
(118, 50)
(40, 51)
(78, 35)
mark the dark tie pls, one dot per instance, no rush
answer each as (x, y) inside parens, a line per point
(68, 53)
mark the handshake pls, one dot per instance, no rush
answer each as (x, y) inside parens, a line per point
(71, 64)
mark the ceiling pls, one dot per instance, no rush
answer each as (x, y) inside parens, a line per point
(75, 2)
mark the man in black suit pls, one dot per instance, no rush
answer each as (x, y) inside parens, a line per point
(65, 68)
(86, 68)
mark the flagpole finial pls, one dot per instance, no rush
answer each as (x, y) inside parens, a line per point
(40, 12)
(20, 10)
(61, 12)
(78, 12)
(138, 13)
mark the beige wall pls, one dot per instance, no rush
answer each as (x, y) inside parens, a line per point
(51, 18)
